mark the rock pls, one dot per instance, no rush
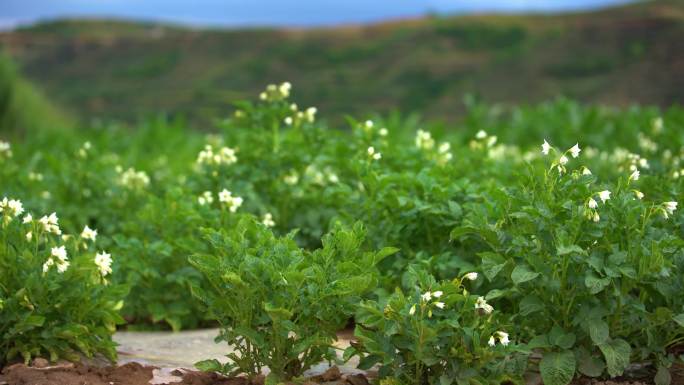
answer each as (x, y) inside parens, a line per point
(40, 363)
(357, 379)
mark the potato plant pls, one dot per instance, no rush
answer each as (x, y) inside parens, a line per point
(438, 333)
(56, 300)
(587, 270)
(280, 306)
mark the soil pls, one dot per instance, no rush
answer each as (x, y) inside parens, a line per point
(136, 374)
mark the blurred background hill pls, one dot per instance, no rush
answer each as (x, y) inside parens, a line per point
(124, 70)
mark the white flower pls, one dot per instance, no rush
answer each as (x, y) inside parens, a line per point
(29, 236)
(28, 218)
(47, 264)
(368, 124)
(310, 114)
(225, 156)
(563, 160)
(592, 203)
(440, 305)
(11, 207)
(586, 171)
(482, 304)
(491, 341)
(424, 140)
(233, 203)
(639, 194)
(89, 233)
(50, 224)
(292, 178)
(59, 252)
(288, 120)
(575, 150)
(268, 220)
(412, 310)
(670, 207)
(545, 147)
(470, 276)
(103, 261)
(604, 195)
(5, 149)
(596, 217)
(437, 294)
(206, 198)
(503, 338)
(374, 154)
(426, 296)
(634, 175)
(134, 179)
(481, 134)
(62, 266)
(383, 132)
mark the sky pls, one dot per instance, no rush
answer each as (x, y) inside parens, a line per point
(277, 13)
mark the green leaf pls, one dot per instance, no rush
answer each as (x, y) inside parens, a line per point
(570, 249)
(617, 353)
(598, 331)
(557, 368)
(277, 313)
(662, 376)
(679, 318)
(595, 284)
(209, 366)
(522, 273)
(530, 304)
(492, 264)
(590, 365)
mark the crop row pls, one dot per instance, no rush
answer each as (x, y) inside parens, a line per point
(543, 237)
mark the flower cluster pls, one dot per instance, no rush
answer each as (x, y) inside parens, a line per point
(224, 156)
(592, 205)
(444, 153)
(268, 220)
(206, 198)
(58, 257)
(482, 306)
(668, 208)
(103, 261)
(49, 223)
(133, 179)
(231, 202)
(483, 140)
(276, 92)
(424, 140)
(89, 234)
(291, 178)
(428, 303)
(5, 150)
(373, 154)
(10, 208)
(308, 115)
(501, 336)
(83, 151)
(321, 177)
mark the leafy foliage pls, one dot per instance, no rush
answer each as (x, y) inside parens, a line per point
(436, 334)
(55, 300)
(280, 306)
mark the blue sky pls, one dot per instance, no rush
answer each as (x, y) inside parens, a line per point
(238, 13)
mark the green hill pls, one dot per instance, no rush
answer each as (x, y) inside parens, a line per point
(122, 70)
(23, 108)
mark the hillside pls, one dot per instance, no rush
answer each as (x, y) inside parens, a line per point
(122, 70)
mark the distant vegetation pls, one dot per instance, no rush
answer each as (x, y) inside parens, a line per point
(107, 69)
(22, 108)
